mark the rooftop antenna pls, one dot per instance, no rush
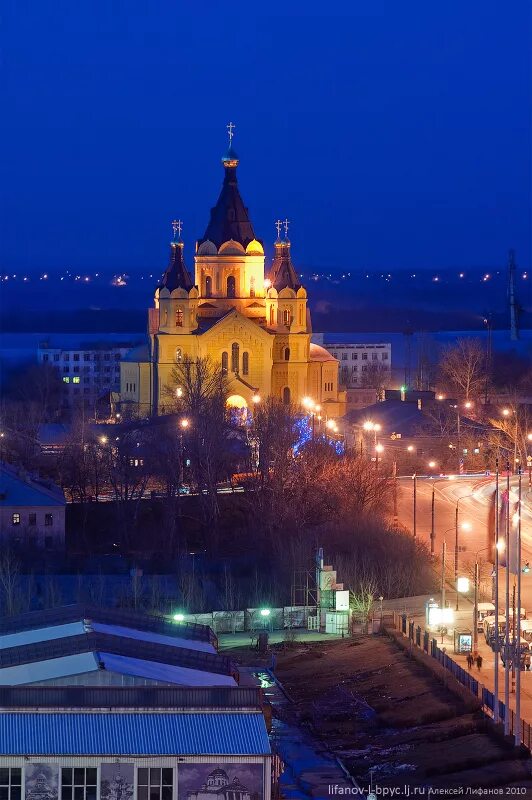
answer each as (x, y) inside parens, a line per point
(514, 332)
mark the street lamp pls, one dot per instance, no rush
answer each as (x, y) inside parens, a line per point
(465, 526)
(256, 398)
(103, 439)
(178, 617)
(379, 448)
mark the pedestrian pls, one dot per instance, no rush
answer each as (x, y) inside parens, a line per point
(469, 660)
(479, 662)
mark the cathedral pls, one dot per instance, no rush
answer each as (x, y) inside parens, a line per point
(254, 324)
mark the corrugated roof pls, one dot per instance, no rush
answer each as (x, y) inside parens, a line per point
(129, 697)
(114, 616)
(133, 734)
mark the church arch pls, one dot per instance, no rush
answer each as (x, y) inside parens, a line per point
(272, 316)
(252, 286)
(225, 363)
(179, 317)
(286, 317)
(286, 354)
(286, 396)
(208, 286)
(231, 286)
(178, 355)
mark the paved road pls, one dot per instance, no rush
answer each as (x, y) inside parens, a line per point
(474, 496)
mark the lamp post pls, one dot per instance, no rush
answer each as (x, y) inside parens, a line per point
(183, 426)
(432, 465)
(466, 527)
(414, 478)
(379, 448)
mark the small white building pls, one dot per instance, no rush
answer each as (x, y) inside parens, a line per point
(32, 510)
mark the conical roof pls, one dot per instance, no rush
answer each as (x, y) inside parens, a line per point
(229, 217)
(176, 276)
(282, 273)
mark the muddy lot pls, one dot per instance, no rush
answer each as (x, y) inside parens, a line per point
(377, 709)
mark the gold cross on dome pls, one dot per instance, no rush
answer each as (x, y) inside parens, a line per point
(286, 223)
(230, 128)
(278, 225)
(177, 226)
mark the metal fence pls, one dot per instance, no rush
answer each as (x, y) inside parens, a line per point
(421, 638)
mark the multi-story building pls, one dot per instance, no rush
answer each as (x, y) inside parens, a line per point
(89, 371)
(361, 365)
(32, 511)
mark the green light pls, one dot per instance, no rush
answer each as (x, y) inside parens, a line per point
(179, 617)
(265, 612)
(403, 388)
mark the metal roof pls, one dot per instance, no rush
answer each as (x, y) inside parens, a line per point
(129, 697)
(113, 616)
(21, 489)
(132, 734)
(119, 645)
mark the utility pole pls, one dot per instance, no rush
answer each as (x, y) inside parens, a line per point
(414, 476)
(514, 333)
(475, 611)
(507, 607)
(456, 553)
(443, 551)
(432, 533)
(496, 600)
(394, 473)
(518, 635)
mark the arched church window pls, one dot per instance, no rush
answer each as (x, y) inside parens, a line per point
(208, 286)
(301, 315)
(287, 354)
(286, 317)
(272, 315)
(179, 317)
(225, 360)
(252, 287)
(165, 317)
(231, 286)
(286, 396)
(179, 355)
(245, 363)
(235, 358)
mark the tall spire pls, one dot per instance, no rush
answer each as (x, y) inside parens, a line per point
(229, 217)
(176, 276)
(282, 273)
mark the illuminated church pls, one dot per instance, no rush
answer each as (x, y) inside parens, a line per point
(255, 325)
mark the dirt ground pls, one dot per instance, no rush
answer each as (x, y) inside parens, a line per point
(377, 709)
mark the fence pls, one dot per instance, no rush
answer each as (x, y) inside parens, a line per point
(421, 638)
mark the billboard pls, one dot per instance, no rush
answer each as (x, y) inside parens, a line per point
(42, 781)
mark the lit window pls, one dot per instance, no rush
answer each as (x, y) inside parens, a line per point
(179, 318)
(15, 519)
(179, 355)
(48, 520)
(66, 379)
(74, 380)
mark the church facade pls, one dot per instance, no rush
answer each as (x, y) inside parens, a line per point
(254, 323)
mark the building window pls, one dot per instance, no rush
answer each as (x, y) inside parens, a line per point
(15, 519)
(385, 356)
(32, 519)
(252, 287)
(364, 356)
(179, 355)
(48, 520)
(75, 380)
(235, 358)
(208, 286)
(231, 286)
(354, 368)
(300, 315)
(245, 363)
(76, 356)
(354, 356)
(45, 357)
(344, 356)
(286, 396)
(155, 784)
(107, 357)
(66, 379)
(66, 369)
(179, 318)
(56, 356)
(225, 359)
(86, 356)
(66, 357)
(287, 354)
(78, 783)
(165, 317)
(374, 356)
(286, 317)
(272, 315)
(10, 783)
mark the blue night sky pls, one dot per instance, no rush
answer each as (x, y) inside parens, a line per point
(393, 134)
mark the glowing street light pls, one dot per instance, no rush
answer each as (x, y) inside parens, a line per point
(506, 412)
(184, 423)
(103, 440)
(379, 448)
(265, 612)
(468, 404)
(432, 464)
(255, 399)
(462, 585)
(178, 617)
(410, 448)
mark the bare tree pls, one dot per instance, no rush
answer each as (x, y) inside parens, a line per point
(463, 368)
